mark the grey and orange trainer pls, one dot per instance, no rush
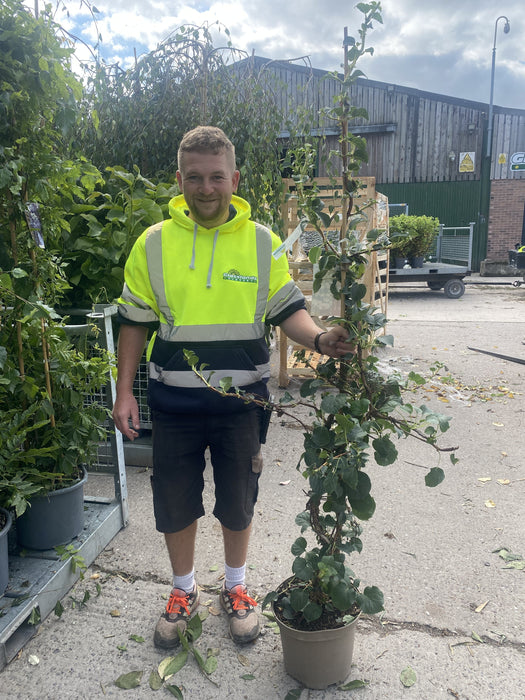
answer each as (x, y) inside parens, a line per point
(175, 618)
(242, 616)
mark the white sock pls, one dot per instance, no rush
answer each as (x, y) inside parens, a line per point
(186, 582)
(234, 577)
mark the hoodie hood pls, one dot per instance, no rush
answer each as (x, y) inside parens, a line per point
(179, 213)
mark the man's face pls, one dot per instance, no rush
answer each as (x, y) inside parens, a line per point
(207, 181)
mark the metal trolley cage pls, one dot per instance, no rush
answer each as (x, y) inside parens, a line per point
(449, 262)
(38, 580)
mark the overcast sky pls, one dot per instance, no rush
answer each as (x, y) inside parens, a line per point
(443, 46)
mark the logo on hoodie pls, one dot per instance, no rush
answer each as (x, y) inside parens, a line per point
(236, 276)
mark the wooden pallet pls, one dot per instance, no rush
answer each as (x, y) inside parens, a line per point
(375, 277)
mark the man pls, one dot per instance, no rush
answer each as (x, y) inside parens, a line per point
(207, 279)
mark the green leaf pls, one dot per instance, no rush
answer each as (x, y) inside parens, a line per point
(302, 569)
(198, 657)
(155, 681)
(293, 694)
(298, 598)
(333, 403)
(408, 677)
(175, 690)
(248, 677)
(137, 638)
(363, 508)
(210, 664)
(194, 628)
(298, 547)
(385, 451)
(370, 600)
(172, 664)
(312, 611)
(59, 609)
(225, 383)
(352, 685)
(129, 680)
(34, 618)
(343, 595)
(434, 477)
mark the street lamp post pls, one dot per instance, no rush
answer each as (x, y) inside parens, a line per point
(506, 29)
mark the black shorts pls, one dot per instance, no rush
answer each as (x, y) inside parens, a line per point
(179, 443)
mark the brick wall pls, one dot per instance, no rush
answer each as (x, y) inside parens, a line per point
(507, 202)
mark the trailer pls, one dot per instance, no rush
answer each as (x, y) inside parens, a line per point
(449, 262)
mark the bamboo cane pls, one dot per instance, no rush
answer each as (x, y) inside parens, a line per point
(20, 347)
(45, 349)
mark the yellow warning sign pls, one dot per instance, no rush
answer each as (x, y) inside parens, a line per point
(466, 162)
(502, 158)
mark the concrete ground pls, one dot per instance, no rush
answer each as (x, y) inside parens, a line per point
(454, 608)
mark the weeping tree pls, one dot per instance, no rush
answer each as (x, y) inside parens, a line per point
(138, 117)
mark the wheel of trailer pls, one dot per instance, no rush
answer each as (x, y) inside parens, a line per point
(454, 288)
(435, 285)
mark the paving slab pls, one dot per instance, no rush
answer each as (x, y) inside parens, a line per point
(431, 551)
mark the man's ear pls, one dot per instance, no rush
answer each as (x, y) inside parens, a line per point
(235, 180)
(179, 179)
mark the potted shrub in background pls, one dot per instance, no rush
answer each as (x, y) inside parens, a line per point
(48, 431)
(51, 429)
(413, 237)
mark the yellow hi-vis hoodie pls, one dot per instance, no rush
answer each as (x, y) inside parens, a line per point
(212, 291)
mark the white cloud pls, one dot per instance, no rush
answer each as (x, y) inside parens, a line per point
(442, 46)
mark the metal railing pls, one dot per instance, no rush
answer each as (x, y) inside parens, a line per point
(454, 245)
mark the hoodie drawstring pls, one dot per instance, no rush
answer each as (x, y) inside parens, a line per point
(210, 269)
(192, 262)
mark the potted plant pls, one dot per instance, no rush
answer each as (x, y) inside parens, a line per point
(51, 428)
(355, 414)
(413, 237)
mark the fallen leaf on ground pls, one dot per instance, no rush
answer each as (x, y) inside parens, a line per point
(284, 483)
(33, 660)
(244, 660)
(503, 482)
(408, 677)
(490, 503)
(155, 681)
(114, 613)
(357, 683)
(481, 607)
(129, 680)
(498, 425)
(214, 611)
(484, 479)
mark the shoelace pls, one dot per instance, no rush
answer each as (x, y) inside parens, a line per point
(240, 599)
(178, 601)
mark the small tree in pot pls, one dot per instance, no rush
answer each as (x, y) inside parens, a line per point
(356, 413)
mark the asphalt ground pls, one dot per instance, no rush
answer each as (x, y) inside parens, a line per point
(454, 607)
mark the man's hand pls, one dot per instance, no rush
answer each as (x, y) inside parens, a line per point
(302, 329)
(126, 408)
(334, 342)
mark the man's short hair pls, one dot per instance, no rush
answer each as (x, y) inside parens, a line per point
(206, 139)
